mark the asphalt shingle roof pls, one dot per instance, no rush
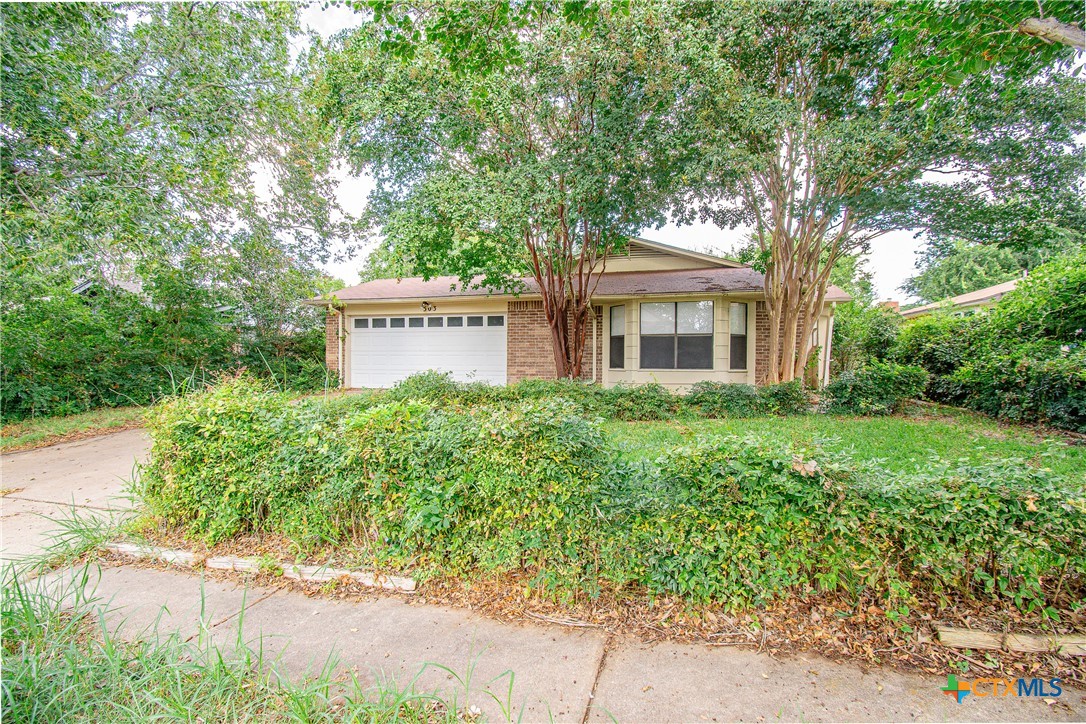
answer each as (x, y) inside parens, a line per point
(618, 284)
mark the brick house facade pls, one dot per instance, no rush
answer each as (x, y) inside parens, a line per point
(384, 330)
(529, 344)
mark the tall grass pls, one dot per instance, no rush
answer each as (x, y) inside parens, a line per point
(63, 662)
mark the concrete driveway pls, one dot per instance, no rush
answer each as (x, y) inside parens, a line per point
(46, 483)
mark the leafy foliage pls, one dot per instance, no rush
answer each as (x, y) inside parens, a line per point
(69, 353)
(967, 268)
(536, 487)
(133, 135)
(862, 333)
(621, 402)
(538, 167)
(940, 343)
(879, 388)
(1023, 361)
(823, 114)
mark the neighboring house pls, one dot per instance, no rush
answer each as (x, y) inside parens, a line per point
(964, 303)
(90, 287)
(662, 314)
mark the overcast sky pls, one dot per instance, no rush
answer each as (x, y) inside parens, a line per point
(892, 258)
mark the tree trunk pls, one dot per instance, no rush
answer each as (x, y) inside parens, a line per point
(556, 310)
(567, 279)
(1053, 31)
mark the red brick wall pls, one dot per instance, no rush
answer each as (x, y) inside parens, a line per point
(761, 342)
(529, 350)
(331, 342)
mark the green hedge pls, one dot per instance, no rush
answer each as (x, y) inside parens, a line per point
(880, 388)
(1024, 360)
(535, 486)
(719, 399)
(622, 402)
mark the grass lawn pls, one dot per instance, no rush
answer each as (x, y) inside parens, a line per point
(901, 442)
(42, 431)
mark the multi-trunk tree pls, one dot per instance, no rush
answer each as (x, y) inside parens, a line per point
(511, 136)
(539, 165)
(822, 136)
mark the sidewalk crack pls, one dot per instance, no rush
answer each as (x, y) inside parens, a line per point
(596, 679)
(235, 614)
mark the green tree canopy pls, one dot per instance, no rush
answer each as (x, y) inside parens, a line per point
(535, 167)
(162, 152)
(135, 132)
(818, 132)
(967, 268)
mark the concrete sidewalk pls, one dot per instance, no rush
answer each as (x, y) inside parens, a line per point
(555, 673)
(559, 673)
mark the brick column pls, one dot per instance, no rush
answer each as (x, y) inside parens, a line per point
(331, 343)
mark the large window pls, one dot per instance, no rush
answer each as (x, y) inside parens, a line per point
(738, 334)
(617, 351)
(677, 335)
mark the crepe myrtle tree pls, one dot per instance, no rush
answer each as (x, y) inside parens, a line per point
(822, 137)
(539, 164)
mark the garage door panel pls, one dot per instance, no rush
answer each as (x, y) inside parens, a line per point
(382, 356)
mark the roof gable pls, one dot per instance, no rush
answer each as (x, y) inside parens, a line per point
(642, 255)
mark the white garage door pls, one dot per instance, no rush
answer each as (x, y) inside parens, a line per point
(384, 350)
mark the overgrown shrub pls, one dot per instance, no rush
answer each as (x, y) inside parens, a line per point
(65, 353)
(639, 402)
(743, 520)
(786, 398)
(586, 395)
(862, 332)
(1000, 529)
(534, 486)
(1023, 360)
(739, 520)
(878, 389)
(725, 399)
(1038, 382)
(494, 487)
(940, 343)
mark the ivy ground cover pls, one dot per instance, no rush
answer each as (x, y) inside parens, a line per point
(543, 491)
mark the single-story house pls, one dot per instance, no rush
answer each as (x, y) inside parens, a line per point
(662, 314)
(965, 303)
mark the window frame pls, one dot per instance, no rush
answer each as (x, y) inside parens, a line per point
(675, 335)
(612, 337)
(746, 339)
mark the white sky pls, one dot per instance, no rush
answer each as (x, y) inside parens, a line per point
(891, 260)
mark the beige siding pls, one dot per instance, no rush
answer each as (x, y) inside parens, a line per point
(659, 262)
